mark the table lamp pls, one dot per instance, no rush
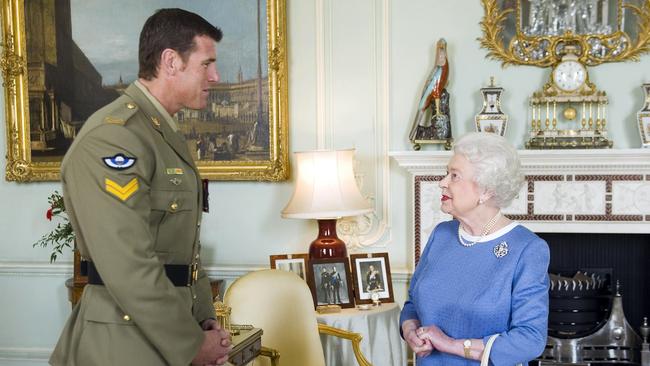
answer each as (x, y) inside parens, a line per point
(326, 190)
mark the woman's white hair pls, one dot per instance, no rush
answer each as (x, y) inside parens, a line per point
(496, 164)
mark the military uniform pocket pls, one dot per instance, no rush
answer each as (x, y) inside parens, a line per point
(101, 308)
(111, 337)
(173, 201)
(173, 213)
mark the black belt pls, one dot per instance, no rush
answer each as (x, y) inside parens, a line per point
(180, 274)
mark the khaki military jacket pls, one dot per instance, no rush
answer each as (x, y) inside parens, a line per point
(132, 193)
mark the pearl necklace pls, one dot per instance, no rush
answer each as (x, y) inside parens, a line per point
(485, 231)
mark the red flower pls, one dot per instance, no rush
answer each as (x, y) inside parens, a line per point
(48, 214)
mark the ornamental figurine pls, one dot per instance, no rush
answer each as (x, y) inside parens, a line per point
(434, 127)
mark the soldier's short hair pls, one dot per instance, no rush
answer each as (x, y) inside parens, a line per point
(174, 29)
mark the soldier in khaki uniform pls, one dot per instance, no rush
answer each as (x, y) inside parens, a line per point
(132, 192)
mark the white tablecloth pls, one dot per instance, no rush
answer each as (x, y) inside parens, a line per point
(381, 343)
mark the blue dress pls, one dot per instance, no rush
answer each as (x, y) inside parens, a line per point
(469, 292)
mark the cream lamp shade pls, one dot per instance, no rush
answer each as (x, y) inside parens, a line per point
(326, 190)
(325, 187)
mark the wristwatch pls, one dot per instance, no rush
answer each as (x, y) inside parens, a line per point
(467, 344)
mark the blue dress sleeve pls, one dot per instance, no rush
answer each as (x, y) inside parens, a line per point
(526, 337)
(409, 311)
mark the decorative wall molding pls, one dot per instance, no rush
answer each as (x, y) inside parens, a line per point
(19, 354)
(35, 269)
(590, 191)
(372, 230)
(64, 269)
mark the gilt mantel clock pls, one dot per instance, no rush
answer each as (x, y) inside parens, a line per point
(570, 93)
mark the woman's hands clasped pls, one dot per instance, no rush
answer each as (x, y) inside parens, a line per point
(424, 340)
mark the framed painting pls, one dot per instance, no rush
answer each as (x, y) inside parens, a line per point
(57, 73)
(371, 273)
(330, 282)
(296, 263)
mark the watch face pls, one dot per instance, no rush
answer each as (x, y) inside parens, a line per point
(569, 75)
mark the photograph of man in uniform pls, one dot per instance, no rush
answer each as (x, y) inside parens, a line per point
(133, 196)
(373, 279)
(325, 287)
(331, 284)
(372, 276)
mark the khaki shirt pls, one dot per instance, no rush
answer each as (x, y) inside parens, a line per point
(132, 193)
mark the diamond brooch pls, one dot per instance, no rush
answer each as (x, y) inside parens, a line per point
(501, 249)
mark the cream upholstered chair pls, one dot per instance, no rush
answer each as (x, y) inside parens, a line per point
(280, 303)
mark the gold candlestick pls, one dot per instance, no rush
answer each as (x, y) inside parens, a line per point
(604, 119)
(532, 104)
(598, 106)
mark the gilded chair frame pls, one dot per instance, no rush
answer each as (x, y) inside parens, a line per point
(521, 48)
(355, 338)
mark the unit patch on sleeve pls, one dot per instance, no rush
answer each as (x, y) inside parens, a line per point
(119, 161)
(119, 191)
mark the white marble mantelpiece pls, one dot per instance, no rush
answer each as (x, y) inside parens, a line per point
(591, 191)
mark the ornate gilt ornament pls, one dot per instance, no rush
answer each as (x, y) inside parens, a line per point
(541, 39)
(11, 63)
(26, 90)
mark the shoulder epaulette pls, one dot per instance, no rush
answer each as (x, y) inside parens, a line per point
(121, 113)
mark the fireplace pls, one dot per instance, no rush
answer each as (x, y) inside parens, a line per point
(595, 319)
(627, 255)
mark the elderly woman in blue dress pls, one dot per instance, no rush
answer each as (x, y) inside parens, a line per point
(480, 290)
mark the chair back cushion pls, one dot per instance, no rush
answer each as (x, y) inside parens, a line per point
(280, 303)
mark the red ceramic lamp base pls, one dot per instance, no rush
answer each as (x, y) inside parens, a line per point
(327, 245)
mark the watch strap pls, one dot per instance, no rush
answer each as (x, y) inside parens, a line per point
(467, 347)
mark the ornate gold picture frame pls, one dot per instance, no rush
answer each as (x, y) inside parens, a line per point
(251, 143)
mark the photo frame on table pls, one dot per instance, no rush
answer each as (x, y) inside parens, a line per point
(56, 74)
(371, 273)
(330, 282)
(296, 263)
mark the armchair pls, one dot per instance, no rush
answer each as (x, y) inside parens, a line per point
(280, 303)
